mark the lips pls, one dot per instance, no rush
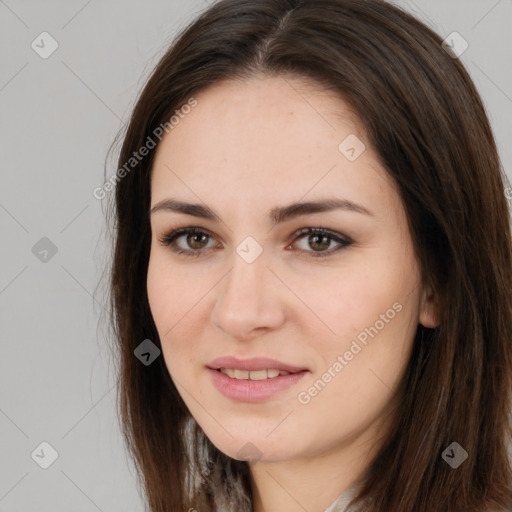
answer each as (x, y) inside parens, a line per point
(253, 364)
(242, 380)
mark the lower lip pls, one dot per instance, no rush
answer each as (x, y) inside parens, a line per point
(253, 390)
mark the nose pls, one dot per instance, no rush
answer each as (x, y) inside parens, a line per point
(249, 300)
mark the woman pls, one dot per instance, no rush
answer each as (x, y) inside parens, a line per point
(313, 269)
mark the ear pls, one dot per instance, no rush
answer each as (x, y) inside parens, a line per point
(428, 315)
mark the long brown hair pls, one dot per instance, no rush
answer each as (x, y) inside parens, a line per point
(425, 119)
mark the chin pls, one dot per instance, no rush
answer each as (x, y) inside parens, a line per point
(256, 449)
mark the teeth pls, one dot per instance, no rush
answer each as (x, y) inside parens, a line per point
(254, 375)
(258, 375)
(241, 374)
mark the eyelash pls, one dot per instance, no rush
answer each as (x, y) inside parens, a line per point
(170, 239)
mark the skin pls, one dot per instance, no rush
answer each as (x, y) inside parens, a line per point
(247, 147)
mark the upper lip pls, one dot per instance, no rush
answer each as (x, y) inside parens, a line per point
(253, 364)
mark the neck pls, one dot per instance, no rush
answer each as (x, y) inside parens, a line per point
(310, 483)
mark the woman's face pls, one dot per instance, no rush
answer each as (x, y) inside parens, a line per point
(337, 310)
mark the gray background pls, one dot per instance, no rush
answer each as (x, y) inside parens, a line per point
(58, 118)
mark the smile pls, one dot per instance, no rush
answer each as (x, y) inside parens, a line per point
(253, 375)
(253, 386)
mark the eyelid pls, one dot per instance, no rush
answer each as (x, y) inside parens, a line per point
(343, 241)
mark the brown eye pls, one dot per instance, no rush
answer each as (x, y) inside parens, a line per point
(193, 241)
(319, 240)
(197, 240)
(189, 241)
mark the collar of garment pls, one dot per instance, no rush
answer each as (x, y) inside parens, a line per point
(341, 502)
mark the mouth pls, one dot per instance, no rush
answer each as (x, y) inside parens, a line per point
(255, 368)
(238, 374)
(255, 379)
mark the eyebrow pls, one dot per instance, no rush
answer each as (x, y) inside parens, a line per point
(276, 215)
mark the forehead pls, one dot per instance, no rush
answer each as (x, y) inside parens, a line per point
(264, 138)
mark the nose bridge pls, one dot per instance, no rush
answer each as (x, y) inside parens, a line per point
(247, 300)
(246, 281)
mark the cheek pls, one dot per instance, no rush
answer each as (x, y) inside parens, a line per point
(168, 301)
(360, 367)
(341, 303)
(171, 293)
(162, 290)
(175, 299)
(368, 315)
